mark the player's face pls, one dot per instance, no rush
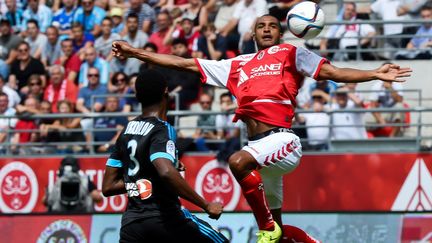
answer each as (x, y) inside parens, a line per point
(267, 32)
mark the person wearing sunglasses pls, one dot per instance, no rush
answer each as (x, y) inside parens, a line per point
(23, 68)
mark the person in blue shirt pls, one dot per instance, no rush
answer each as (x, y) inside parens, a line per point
(39, 12)
(92, 60)
(90, 97)
(80, 39)
(90, 16)
(63, 18)
(14, 15)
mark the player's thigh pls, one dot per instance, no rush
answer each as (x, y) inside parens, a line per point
(277, 154)
(144, 230)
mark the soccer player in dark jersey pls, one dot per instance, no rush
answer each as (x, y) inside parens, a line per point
(144, 165)
(266, 84)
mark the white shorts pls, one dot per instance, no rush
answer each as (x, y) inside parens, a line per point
(277, 154)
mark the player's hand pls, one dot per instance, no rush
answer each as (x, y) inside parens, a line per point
(393, 73)
(214, 210)
(121, 49)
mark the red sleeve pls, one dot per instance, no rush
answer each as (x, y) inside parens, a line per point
(72, 93)
(75, 63)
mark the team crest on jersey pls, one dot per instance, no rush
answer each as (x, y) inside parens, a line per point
(275, 49)
(145, 188)
(260, 55)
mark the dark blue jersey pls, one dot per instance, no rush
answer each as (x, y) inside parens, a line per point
(141, 142)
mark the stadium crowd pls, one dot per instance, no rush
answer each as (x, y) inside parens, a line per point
(55, 57)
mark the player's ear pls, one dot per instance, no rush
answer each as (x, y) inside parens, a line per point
(253, 36)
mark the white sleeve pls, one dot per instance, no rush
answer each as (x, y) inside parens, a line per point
(376, 7)
(261, 8)
(398, 87)
(376, 87)
(308, 63)
(214, 72)
(366, 29)
(238, 10)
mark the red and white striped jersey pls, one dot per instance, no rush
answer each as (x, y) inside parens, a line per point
(265, 83)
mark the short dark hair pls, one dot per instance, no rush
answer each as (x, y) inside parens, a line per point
(132, 15)
(269, 15)
(66, 40)
(179, 41)
(77, 25)
(5, 21)
(33, 21)
(108, 18)
(150, 87)
(151, 45)
(23, 43)
(426, 7)
(226, 94)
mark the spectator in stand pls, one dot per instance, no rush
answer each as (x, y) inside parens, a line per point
(86, 102)
(14, 15)
(92, 60)
(117, 19)
(59, 88)
(152, 48)
(317, 123)
(223, 17)
(35, 39)
(6, 125)
(51, 51)
(36, 90)
(197, 12)
(185, 84)
(164, 22)
(349, 36)
(39, 12)
(387, 10)
(63, 18)
(59, 130)
(132, 103)
(120, 86)
(8, 45)
(23, 68)
(410, 9)
(136, 37)
(327, 86)
(204, 123)
(183, 30)
(89, 16)
(211, 45)
(146, 15)
(226, 129)
(347, 125)
(80, 40)
(419, 42)
(13, 97)
(69, 60)
(244, 17)
(104, 42)
(387, 95)
(115, 123)
(25, 128)
(126, 65)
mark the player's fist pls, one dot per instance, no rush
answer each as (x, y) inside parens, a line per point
(121, 49)
(214, 210)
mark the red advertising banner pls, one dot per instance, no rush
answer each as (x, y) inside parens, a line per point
(348, 182)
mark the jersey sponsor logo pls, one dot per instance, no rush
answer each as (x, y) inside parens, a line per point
(243, 78)
(138, 128)
(132, 189)
(19, 188)
(145, 188)
(62, 231)
(266, 70)
(275, 49)
(171, 149)
(215, 183)
(416, 191)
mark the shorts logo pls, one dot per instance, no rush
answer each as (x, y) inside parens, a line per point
(145, 188)
(19, 188)
(62, 231)
(215, 183)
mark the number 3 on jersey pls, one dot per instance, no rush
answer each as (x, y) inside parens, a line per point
(133, 168)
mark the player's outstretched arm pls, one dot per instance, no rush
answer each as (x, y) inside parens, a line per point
(113, 183)
(123, 49)
(173, 178)
(387, 72)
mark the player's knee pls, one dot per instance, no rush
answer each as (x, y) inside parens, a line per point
(235, 162)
